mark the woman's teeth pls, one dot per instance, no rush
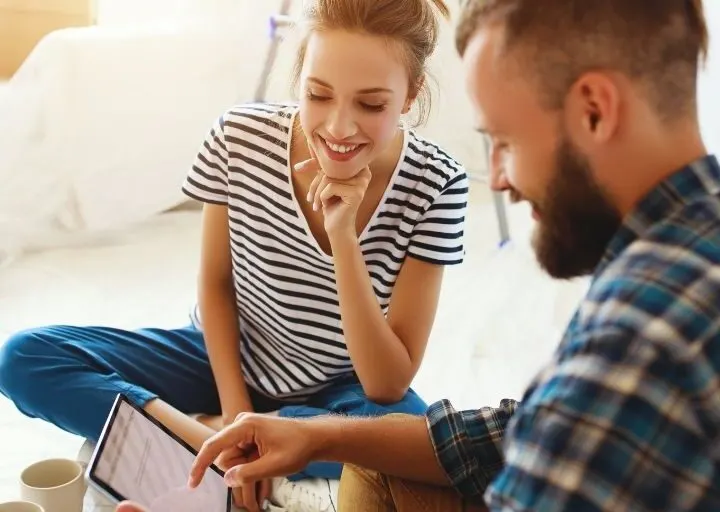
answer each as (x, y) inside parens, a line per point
(341, 149)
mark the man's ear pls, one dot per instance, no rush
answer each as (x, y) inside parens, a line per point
(593, 109)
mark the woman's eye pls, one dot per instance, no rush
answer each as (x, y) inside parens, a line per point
(314, 97)
(374, 107)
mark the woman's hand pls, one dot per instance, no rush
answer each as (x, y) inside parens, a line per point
(340, 200)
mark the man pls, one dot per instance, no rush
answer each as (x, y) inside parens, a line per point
(591, 109)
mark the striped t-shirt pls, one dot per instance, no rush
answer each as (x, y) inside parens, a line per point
(292, 342)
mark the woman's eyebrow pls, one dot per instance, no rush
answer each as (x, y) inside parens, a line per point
(374, 90)
(370, 90)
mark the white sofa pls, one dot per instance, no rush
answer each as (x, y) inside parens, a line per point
(100, 124)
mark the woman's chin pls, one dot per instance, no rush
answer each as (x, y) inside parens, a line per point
(344, 170)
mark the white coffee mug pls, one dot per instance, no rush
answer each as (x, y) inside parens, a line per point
(20, 506)
(57, 485)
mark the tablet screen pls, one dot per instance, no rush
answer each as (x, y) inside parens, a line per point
(137, 459)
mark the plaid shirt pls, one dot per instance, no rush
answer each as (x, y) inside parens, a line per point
(627, 414)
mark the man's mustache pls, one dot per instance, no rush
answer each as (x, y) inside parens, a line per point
(515, 196)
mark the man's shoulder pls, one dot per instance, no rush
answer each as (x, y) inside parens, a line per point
(665, 285)
(674, 254)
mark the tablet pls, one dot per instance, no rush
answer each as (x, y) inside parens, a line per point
(139, 459)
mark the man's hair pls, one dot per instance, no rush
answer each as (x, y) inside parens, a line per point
(656, 43)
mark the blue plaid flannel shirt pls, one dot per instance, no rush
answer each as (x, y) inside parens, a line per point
(626, 417)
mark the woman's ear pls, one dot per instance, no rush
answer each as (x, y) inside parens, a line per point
(413, 93)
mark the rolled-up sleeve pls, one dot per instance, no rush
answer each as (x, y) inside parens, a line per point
(469, 444)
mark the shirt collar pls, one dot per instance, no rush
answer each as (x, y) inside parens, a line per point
(695, 181)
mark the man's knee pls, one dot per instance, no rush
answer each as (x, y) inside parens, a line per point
(19, 357)
(362, 489)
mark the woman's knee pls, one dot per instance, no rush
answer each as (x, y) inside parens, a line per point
(20, 358)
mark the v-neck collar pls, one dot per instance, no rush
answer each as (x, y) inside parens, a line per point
(298, 209)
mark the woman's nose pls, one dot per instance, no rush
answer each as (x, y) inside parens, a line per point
(341, 125)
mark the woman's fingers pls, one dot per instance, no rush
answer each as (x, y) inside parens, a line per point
(316, 187)
(349, 194)
(354, 187)
(310, 165)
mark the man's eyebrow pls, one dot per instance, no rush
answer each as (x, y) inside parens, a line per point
(488, 132)
(371, 90)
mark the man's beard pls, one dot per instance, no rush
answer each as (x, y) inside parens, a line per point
(577, 220)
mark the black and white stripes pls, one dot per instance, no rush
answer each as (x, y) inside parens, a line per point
(292, 341)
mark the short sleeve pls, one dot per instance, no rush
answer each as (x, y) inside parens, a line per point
(438, 237)
(207, 180)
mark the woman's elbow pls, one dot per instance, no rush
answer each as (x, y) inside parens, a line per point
(385, 395)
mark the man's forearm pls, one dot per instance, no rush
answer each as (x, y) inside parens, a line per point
(396, 445)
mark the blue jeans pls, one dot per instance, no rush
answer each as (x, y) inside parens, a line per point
(70, 376)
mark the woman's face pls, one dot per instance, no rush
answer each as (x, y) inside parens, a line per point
(354, 88)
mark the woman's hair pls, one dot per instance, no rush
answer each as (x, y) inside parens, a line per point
(411, 23)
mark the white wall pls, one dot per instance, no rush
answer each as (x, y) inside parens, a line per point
(450, 123)
(709, 83)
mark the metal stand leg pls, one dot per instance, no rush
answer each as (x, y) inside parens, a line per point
(499, 200)
(501, 212)
(276, 21)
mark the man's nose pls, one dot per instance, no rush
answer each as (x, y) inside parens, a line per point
(498, 176)
(499, 181)
(341, 124)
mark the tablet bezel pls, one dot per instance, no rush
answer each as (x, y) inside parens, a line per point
(107, 489)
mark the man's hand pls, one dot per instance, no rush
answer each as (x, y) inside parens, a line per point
(280, 447)
(250, 496)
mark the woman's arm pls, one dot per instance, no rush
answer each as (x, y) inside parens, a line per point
(219, 313)
(386, 352)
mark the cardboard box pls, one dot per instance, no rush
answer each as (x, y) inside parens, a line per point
(23, 23)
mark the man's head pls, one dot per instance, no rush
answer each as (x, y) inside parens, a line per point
(579, 99)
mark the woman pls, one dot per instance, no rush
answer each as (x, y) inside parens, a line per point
(325, 231)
